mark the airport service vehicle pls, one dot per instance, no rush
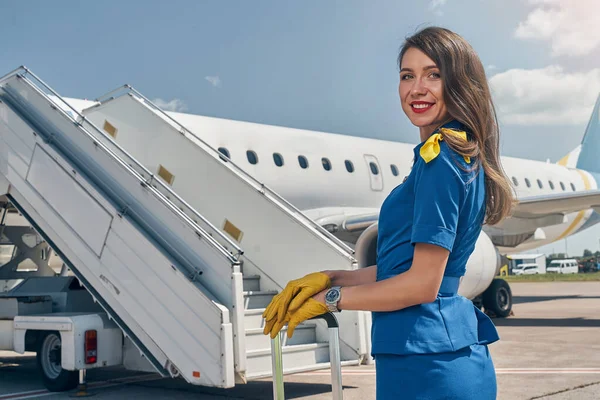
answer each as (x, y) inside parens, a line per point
(526, 269)
(563, 267)
(171, 250)
(537, 259)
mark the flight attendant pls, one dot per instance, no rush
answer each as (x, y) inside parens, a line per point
(428, 342)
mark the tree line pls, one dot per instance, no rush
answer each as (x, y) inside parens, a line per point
(586, 254)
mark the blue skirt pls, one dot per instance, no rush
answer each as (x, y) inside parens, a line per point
(466, 374)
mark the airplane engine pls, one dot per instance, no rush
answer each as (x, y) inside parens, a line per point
(482, 267)
(365, 249)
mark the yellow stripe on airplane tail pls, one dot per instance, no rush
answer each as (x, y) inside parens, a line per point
(580, 214)
(586, 180)
(563, 161)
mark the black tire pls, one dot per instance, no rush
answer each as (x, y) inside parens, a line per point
(497, 298)
(48, 360)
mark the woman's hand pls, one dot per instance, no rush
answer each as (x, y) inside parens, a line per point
(295, 294)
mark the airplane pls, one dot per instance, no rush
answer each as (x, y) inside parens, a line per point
(341, 181)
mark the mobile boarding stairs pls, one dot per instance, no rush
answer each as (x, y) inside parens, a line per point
(176, 272)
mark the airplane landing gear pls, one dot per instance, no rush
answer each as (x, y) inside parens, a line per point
(478, 302)
(497, 299)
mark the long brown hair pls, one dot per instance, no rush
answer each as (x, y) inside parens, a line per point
(468, 99)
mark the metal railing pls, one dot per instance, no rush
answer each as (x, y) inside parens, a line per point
(280, 201)
(334, 360)
(139, 171)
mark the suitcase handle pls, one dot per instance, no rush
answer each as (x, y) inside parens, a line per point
(334, 359)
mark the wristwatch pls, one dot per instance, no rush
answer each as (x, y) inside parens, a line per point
(332, 297)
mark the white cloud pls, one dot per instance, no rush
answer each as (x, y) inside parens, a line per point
(570, 26)
(214, 80)
(545, 96)
(436, 6)
(173, 105)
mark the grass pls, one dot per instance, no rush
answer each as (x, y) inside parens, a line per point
(590, 276)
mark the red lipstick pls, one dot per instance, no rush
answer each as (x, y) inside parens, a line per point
(421, 106)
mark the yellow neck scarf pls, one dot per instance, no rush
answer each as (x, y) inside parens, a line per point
(431, 147)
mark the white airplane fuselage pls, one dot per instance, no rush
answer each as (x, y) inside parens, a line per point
(317, 187)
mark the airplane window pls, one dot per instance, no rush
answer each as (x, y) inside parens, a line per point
(551, 185)
(303, 162)
(515, 181)
(562, 186)
(252, 157)
(394, 170)
(224, 151)
(278, 159)
(374, 168)
(326, 164)
(572, 186)
(349, 166)
(540, 184)
(527, 182)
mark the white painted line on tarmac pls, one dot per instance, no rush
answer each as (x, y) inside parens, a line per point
(499, 371)
(506, 371)
(92, 385)
(27, 394)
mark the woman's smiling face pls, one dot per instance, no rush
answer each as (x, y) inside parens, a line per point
(421, 92)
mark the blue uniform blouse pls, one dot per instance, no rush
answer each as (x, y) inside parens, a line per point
(442, 204)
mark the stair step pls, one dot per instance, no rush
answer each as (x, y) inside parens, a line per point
(315, 367)
(304, 334)
(258, 362)
(258, 299)
(253, 319)
(251, 283)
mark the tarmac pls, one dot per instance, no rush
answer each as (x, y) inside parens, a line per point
(549, 349)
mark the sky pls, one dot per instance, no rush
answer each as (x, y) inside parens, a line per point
(321, 65)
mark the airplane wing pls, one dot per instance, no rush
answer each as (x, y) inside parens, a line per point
(563, 203)
(347, 223)
(530, 215)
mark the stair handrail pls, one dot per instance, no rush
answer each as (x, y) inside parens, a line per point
(299, 215)
(232, 256)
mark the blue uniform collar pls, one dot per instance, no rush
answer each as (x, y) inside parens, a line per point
(454, 124)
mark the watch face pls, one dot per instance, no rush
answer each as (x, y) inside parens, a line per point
(332, 295)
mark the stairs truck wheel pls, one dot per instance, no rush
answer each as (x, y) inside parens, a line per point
(48, 359)
(497, 298)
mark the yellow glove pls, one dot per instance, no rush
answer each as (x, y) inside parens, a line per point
(309, 309)
(295, 294)
(273, 326)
